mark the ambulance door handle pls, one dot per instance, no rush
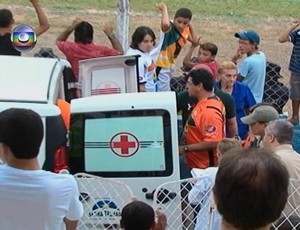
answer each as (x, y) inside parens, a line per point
(149, 195)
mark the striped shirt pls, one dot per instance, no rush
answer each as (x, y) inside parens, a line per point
(295, 57)
(170, 45)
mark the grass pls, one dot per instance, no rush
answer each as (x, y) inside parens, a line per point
(237, 9)
(232, 8)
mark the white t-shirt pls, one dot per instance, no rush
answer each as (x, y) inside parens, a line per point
(37, 199)
(146, 69)
(201, 195)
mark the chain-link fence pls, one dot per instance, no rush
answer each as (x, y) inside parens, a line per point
(103, 200)
(215, 21)
(188, 204)
(192, 205)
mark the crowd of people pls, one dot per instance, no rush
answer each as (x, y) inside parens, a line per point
(221, 101)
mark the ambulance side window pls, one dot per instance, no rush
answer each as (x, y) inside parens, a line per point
(121, 144)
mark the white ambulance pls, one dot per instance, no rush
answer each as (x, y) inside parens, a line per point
(36, 83)
(128, 136)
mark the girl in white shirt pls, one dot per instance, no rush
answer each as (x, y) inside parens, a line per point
(142, 42)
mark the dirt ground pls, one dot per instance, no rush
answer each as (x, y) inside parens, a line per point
(219, 30)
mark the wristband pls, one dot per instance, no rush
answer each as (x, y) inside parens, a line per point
(111, 36)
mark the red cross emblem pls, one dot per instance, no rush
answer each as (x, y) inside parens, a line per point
(124, 144)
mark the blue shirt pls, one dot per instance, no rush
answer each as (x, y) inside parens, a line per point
(243, 99)
(295, 57)
(253, 70)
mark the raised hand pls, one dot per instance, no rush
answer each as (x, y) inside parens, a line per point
(76, 22)
(295, 24)
(238, 55)
(107, 29)
(34, 2)
(161, 6)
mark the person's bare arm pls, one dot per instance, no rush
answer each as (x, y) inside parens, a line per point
(43, 20)
(284, 37)
(165, 20)
(193, 35)
(232, 128)
(187, 59)
(71, 224)
(204, 145)
(108, 30)
(66, 33)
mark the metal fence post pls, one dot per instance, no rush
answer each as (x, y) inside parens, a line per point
(123, 22)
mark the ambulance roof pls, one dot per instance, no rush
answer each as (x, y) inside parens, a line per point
(126, 101)
(28, 79)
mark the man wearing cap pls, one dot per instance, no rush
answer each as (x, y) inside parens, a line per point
(258, 120)
(275, 92)
(252, 69)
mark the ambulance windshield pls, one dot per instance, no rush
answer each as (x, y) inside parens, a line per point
(119, 144)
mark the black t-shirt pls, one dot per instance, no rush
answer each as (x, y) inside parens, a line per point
(6, 46)
(185, 103)
(277, 94)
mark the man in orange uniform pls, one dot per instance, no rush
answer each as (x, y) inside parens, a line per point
(205, 126)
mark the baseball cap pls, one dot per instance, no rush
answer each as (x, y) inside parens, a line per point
(203, 66)
(248, 35)
(263, 113)
(199, 66)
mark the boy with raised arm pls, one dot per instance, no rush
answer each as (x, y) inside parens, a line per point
(173, 37)
(206, 55)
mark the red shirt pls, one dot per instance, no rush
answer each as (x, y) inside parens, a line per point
(75, 52)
